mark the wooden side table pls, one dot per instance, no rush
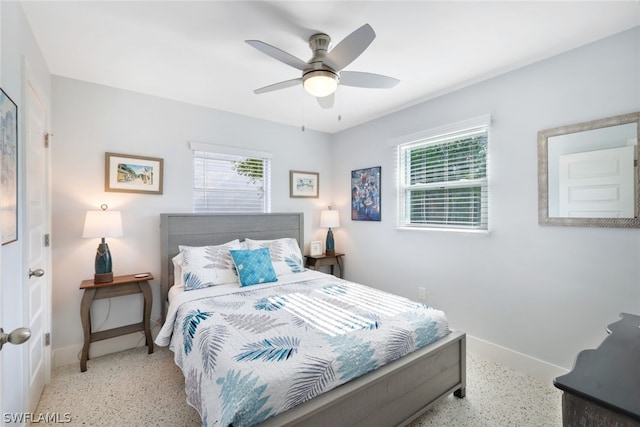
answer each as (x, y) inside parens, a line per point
(317, 261)
(121, 285)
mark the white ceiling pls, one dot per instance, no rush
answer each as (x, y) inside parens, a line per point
(195, 51)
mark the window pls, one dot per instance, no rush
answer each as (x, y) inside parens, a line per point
(228, 182)
(443, 180)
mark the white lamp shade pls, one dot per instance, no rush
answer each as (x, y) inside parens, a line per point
(320, 83)
(102, 224)
(329, 219)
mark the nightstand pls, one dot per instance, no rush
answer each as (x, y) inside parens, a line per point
(317, 261)
(121, 285)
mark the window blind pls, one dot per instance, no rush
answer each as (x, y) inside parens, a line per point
(443, 181)
(225, 182)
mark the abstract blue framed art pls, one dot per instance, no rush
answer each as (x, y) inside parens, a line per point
(365, 194)
(9, 178)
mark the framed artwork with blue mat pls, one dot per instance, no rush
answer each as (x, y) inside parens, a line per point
(365, 194)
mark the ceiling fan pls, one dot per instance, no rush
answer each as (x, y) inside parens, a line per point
(322, 74)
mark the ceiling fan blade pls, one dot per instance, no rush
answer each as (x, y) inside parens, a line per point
(350, 48)
(277, 86)
(368, 80)
(278, 54)
(327, 101)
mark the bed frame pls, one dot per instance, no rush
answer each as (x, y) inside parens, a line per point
(394, 394)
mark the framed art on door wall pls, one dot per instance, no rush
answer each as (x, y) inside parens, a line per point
(9, 178)
(365, 194)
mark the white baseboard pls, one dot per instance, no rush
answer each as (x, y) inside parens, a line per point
(71, 354)
(66, 355)
(539, 369)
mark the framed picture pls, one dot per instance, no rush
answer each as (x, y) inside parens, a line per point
(304, 184)
(315, 248)
(133, 174)
(9, 178)
(365, 194)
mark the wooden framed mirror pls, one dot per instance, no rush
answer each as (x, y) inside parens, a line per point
(588, 173)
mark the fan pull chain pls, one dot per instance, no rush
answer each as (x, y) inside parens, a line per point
(302, 99)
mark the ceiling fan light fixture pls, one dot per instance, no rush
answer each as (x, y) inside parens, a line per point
(320, 83)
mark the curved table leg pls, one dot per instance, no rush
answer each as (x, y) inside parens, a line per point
(339, 261)
(85, 317)
(148, 302)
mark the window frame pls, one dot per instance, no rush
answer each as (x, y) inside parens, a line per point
(442, 135)
(222, 151)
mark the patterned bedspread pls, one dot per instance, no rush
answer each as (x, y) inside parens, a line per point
(250, 353)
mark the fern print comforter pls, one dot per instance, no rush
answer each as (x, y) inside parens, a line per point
(253, 352)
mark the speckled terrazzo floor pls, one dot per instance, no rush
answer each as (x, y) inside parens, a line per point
(133, 388)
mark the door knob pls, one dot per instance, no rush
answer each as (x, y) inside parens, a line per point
(38, 272)
(18, 336)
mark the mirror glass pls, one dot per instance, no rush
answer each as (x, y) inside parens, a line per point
(587, 173)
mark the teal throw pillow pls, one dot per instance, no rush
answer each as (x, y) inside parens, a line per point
(254, 266)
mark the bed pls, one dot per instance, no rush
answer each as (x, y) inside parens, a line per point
(393, 394)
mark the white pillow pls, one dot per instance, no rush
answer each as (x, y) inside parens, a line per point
(205, 266)
(285, 254)
(177, 270)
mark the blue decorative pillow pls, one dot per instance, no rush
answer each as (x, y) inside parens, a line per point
(254, 266)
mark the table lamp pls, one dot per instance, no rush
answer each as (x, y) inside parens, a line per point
(103, 224)
(329, 219)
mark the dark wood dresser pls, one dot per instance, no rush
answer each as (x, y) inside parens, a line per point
(603, 388)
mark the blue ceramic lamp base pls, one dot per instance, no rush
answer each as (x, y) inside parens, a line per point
(104, 273)
(330, 245)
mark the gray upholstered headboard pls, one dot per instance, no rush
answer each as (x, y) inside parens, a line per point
(213, 229)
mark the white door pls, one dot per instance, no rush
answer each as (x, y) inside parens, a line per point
(1, 381)
(598, 184)
(2, 385)
(37, 294)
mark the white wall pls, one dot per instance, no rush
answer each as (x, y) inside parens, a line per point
(89, 120)
(536, 293)
(546, 292)
(18, 47)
